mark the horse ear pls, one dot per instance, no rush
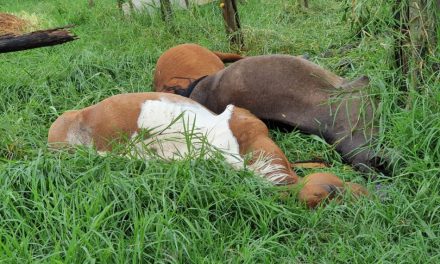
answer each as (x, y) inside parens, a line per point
(358, 83)
(228, 57)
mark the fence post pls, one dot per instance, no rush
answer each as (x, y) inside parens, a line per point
(232, 21)
(165, 9)
(120, 2)
(417, 39)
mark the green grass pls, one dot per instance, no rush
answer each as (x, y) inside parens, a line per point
(80, 207)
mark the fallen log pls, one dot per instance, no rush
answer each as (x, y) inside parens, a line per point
(36, 39)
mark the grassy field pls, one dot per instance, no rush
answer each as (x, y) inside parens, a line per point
(84, 208)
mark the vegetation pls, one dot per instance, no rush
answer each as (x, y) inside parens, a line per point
(81, 207)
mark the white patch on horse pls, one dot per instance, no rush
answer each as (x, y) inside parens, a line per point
(175, 130)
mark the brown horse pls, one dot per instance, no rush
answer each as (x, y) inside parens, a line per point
(153, 124)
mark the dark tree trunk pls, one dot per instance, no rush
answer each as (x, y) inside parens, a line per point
(232, 22)
(415, 40)
(120, 2)
(401, 13)
(36, 39)
(306, 3)
(165, 8)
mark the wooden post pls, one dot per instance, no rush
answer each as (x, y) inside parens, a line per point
(306, 3)
(415, 39)
(120, 2)
(401, 13)
(232, 21)
(165, 8)
(36, 39)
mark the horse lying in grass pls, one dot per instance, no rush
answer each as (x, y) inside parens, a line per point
(171, 127)
(290, 91)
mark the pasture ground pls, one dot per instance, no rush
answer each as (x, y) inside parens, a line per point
(83, 208)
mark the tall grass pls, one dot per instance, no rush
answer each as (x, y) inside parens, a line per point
(80, 207)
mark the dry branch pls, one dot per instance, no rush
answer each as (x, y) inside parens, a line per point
(36, 39)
